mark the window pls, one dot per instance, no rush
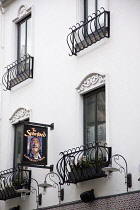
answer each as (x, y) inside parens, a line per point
(94, 25)
(91, 6)
(24, 46)
(20, 69)
(95, 117)
(24, 37)
(18, 144)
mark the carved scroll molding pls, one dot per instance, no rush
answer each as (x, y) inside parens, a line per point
(22, 12)
(90, 82)
(20, 114)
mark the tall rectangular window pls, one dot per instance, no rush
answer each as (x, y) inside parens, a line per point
(92, 6)
(95, 117)
(18, 144)
(91, 9)
(24, 37)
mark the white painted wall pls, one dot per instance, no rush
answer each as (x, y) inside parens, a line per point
(52, 94)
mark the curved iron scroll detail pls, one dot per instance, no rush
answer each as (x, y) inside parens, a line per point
(12, 179)
(117, 158)
(89, 31)
(56, 184)
(18, 71)
(83, 163)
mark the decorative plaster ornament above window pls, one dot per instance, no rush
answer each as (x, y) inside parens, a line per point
(22, 13)
(20, 114)
(91, 82)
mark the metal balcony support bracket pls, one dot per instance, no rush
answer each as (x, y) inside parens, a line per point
(89, 31)
(38, 166)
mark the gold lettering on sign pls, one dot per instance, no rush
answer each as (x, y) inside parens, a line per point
(33, 132)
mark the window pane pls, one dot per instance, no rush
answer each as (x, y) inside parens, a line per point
(18, 144)
(90, 119)
(29, 36)
(95, 117)
(22, 34)
(101, 117)
(91, 7)
(102, 3)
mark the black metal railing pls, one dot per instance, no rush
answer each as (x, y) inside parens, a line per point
(89, 31)
(83, 163)
(18, 71)
(13, 179)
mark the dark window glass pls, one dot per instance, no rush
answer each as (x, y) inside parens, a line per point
(18, 144)
(95, 117)
(92, 7)
(24, 37)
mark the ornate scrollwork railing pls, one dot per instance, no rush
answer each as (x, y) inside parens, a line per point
(83, 163)
(89, 31)
(11, 180)
(18, 71)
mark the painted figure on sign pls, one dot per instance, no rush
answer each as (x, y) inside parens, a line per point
(35, 147)
(34, 150)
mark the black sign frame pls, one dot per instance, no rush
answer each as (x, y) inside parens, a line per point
(35, 144)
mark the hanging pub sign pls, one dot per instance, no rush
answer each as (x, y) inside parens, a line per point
(35, 145)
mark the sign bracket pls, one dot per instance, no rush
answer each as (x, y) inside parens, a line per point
(39, 124)
(37, 166)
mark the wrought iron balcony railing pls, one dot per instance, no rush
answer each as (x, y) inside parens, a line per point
(18, 71)
(11, 180)
(83, 163)
(89, 31)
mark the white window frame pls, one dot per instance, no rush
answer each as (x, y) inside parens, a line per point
(23, 12)
(80, 9)
(90, 83)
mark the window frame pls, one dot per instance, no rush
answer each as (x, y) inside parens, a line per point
(86, 8)
(85, 96)
(15, 145)
(15, 164)
(19, 23)
(86, 15)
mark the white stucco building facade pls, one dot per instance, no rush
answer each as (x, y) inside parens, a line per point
(107, 59)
